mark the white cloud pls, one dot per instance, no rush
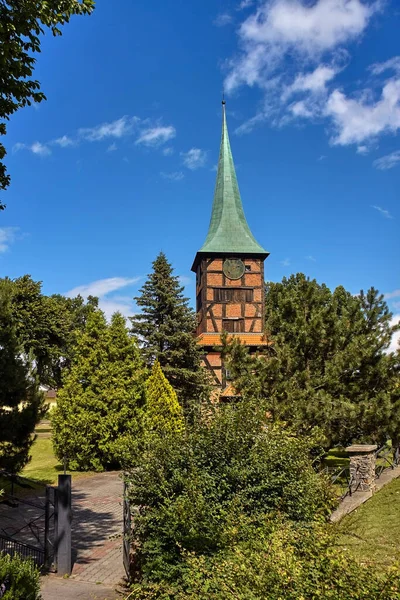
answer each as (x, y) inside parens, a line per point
(102, 289)
(362, 149)
(385, 213)
(314, 82)
(245, 4)
(115, 129)
(358, 120)
(394, 294)
(110, 306)
(279, 27)
(194, 158)
(36, 148)
(387, 162)
(223, 19)
(148, 134)
(40, 149)
(156, 136)
(168, 151)
(294, 49)
(391, 64)
(311, 258)
(394, 345)
(64, 141)
(174, 176)
(285, 262)
(7, 237)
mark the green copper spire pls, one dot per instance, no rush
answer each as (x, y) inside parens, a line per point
(228, 231)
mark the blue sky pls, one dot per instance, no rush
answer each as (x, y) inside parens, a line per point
(119, 163)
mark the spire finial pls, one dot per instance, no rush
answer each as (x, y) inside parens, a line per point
(223, 98)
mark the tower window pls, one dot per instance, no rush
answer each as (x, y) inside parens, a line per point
(233, 295)
(247, 268)
(233, 325)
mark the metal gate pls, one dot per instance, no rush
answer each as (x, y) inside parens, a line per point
(29, 521)
(127, 533)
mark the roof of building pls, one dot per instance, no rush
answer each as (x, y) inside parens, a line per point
(228, 231)
(248, 339)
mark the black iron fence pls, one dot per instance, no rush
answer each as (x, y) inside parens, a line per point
(28, 517)
(12, 547)
(386, 458)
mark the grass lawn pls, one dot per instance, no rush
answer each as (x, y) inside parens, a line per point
(372, 532)
(44, 466)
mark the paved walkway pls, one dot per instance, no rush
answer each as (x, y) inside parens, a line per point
(96, 542)
(56, 588)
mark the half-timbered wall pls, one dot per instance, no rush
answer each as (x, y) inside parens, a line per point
(223, 304)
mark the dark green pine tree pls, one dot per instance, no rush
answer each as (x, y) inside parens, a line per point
(328, 365)
(165, 328)
(97, 423)
(21, 402)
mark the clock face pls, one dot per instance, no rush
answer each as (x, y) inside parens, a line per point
(233, 268)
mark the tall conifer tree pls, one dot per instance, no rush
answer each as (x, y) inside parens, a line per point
(21, 402)
(163, 414)
(97, 422)
(165, 327)
(328, 365)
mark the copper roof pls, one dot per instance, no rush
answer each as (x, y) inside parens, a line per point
(248, 339)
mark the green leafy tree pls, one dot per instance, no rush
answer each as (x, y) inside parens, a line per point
(21, 402)
(165, 327)
(328, 365)
(97, 423)
(47, 326)
(163, 412)
(22, 23)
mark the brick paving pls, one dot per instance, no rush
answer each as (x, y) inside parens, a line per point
(56, 588)
(97, 529)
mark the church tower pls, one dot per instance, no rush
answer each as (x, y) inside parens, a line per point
(229, 271)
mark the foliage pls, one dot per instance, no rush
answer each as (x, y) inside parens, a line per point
(47, 326)
(327, 366)
(193, 488)
(272, 560)
(97, 421)
(19, 577)
(165, 327)
(22, 24)
(21, 402)
(163, 413)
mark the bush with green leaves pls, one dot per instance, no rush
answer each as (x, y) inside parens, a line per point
(97, 423)
(274, 559)
(194, 487)
(19, 579)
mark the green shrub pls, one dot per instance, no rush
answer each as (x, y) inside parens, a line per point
(275, 560)
(193, 488)
(19, 579)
